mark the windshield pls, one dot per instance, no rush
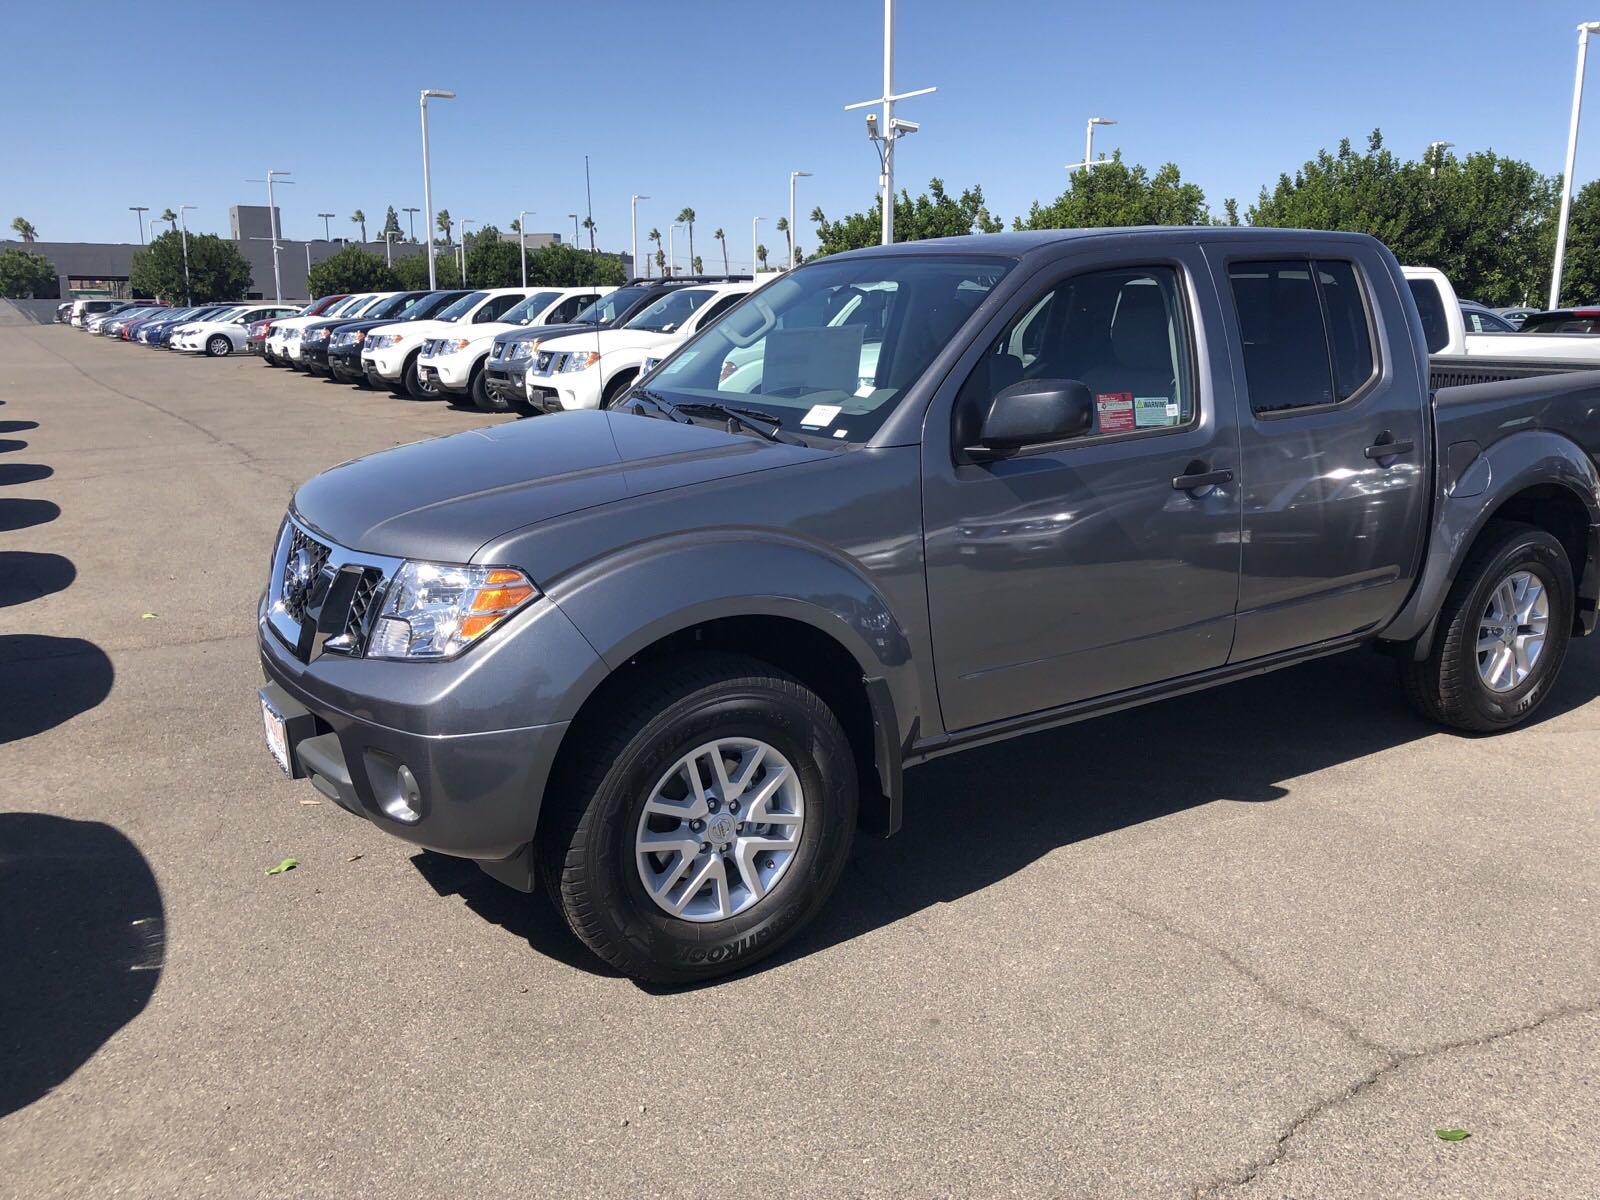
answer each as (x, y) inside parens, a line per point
(391, 306)
(222, 314)
(671, 311)
(426, 308)
(610, 306)
(530, 308)
(463, 306)
(831, 349)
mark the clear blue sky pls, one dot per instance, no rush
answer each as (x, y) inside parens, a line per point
(711, 103)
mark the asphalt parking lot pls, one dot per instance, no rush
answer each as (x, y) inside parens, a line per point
(1257, 942)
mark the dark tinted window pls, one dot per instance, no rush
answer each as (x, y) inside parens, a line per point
(1431, 307)
(1306, 337)
(721, 306)
(431, 304)
(495, 307)
(1560, 323)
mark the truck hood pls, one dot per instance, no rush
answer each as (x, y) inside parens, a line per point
(608, 340)
(444, 499)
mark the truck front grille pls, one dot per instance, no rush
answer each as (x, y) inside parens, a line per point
(324, 598)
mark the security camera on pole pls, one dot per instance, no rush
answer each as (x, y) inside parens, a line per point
(893, 127)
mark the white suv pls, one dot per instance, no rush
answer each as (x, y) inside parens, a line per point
(589, 370)
(390, 353)
(290, 352)
(225, 333)
(453, 363)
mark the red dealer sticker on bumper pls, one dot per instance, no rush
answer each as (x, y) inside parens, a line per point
(1115, 410)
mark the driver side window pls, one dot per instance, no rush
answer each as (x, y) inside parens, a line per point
(1120, 332)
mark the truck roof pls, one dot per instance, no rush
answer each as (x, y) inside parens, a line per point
(1016, 243)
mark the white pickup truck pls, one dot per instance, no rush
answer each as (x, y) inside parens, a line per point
(1447, 334)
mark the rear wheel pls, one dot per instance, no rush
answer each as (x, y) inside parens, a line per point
(703, 823)
(1502, 633)
(219, 346)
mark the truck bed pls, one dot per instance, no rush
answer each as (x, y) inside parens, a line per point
(1457, 370)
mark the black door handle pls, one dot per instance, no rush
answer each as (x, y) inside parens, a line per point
(1201, 479)
(1389, 449)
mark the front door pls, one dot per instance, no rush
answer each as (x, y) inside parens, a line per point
(1100, 563)
(1333, 442)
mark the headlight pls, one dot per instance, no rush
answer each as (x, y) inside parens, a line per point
(317, 335)
(522, 349)
(580, 362)
(359, 335)
(379, 340)
(454, 345)
(649, 365)
(436, 610)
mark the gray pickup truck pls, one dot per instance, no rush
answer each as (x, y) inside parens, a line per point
(668, 656)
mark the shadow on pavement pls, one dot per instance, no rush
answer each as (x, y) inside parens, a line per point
(48, 681)
(15, 473)
(82, 937)
(17, 426)
(24, 514)
(7, 445)
(26, 575)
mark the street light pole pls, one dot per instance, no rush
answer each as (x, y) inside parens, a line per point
(574, 217)
(139, 211)
(427, 178)
(755, 242)
(793, 175)
(388, 247)
(272, 222)
(893, 128)
(327, 233)
(522, 240)
(188, 291)
(1088, 163)
(672, 264)
(462, 246)
(1584, 31)
(411, 220)
(1436, 156)
(633, 229)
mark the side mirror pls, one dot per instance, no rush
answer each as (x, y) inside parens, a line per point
(1031, 413)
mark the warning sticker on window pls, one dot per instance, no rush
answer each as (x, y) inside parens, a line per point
(1151, 411)
(1115, 410)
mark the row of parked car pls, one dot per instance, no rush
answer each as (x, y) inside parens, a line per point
(516, 349)
(215, 330)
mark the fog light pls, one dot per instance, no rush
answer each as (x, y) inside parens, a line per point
(407, 805)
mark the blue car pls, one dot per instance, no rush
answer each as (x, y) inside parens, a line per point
(157, 333)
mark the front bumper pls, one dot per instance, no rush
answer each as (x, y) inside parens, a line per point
(450, 372)
(476, 795)
(506, 379)
(385, 366)
(315, 358)
(564, 391)
(345, 363)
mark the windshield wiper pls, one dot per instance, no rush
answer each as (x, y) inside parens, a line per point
(662, 405)
(749, 418)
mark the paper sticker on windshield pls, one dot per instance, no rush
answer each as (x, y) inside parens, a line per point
(820, 416)
(1115, 410)
(1154, 410)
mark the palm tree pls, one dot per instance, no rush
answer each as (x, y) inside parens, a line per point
(694, 265)
(168, 215)
(722, 237)
(360, 218)
(661, 258)
(24, 228)
(783, 228)
(687, 217)
(661, 261)
(588, 223)
(444, 223)
(761, 256)
(516, 224)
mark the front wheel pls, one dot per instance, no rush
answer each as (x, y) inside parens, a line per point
(218, 346)
(704, 823)
(1502, 633)
(485, 400)
(417, 387)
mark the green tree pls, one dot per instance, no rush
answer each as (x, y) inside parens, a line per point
(351, 270)
(788, 237)
(360, 218)
(686, 217)
(24, 229)
(695, 267)
(661, 262)
(1113, 193)
(444, 224)
(761, 256)
(492, 262)
(721, 237)
(217, 271)
(168, 215)
(516, 225)
(661, 259)
(26, 276)
(1230, 211)
(559, 265)
(588, 223)
(932, 214)
(1484, 220)
(1580, 273)
(391, 227)
(411, 271)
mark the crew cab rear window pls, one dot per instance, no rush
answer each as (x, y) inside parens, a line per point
(1307, 337)
(1430, 306)
(1560, 323)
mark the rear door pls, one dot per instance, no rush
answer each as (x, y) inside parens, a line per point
(1100, 563)
(1333, 441)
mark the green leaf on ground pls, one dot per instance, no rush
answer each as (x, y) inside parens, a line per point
(147, 616)
(1452, 1135)
(290, 864)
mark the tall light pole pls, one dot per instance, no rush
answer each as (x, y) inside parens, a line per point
(272, 221)
(427, 178)
(188, 292)
(755, 242)
(793, 175)
(672, 264)
(327, 233)
(1584, 31)
(633, 229)
(574, 217)
(1436, 156)
(462, 246)
(139, 211)
(522, 240)
(893, 128)
(308, 268)
(411, 220)
(388, 246)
